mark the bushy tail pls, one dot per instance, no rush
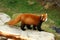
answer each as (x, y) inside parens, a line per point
(14, 21)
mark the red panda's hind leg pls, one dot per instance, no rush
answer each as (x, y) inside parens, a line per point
(28, 26)
(23, 27)
(34, 27)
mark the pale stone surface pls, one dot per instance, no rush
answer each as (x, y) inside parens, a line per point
(4, 18)
(32, 34)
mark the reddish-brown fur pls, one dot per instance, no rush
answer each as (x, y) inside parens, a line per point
(30, 19)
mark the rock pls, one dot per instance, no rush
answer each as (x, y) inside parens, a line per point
(32, 34)
(56, 29)
(3, 38)
(4, 18)
(30, 2)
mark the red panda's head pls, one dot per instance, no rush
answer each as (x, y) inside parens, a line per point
(44, 17)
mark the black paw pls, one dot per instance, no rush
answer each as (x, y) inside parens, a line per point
(23, 29)
(40, 30)
(34, 28)
(29, 27)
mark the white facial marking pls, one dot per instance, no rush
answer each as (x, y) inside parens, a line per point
(46, 20)
(46, 13)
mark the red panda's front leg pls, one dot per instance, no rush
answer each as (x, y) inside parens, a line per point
(39, 26)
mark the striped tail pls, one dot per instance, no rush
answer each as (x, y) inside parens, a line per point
(14, 21)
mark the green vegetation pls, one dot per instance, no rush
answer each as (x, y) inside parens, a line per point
(12, 7)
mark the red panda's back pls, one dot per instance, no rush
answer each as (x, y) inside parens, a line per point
(30, 19)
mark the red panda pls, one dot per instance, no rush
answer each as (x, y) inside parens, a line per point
(29, 19)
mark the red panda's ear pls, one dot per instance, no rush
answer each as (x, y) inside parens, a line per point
(42, 15)
(46, 13)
